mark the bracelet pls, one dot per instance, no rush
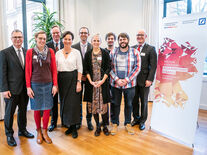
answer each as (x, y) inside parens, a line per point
(79, 81)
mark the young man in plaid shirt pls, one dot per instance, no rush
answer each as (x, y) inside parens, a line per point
(125, 63)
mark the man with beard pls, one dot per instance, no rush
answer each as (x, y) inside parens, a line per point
(144, 79)
(125, 68)
(56, 44)
(84, 46)
(110, 39)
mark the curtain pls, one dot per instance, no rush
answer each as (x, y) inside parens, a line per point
(3, 45)
(150, 22)
(67, 14)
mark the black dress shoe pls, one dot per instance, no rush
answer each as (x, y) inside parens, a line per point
(78, 126)
(75, 134)
(134, 122)
(98, 131)
(106, 131)
(11, 141)
(69, 131)
(25, 133)
(141, 126)
(52, 127)
(90, 126)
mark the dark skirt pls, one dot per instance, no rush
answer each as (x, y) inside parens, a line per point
(43, 99)
(69, 99)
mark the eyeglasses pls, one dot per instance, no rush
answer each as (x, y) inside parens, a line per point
(140, 35)
(83, 32)
(17, 37)
(56, 33)
(40, 38)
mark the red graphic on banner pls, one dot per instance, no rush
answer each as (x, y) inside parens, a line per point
(175, 63)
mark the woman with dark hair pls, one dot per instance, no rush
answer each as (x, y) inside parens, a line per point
(97, 68)
(69, 66)
(41, 82)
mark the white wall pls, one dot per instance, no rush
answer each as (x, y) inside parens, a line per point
(109, 16)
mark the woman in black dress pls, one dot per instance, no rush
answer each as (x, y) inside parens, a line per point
(97, 68)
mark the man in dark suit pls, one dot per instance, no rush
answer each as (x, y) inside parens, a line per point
(84, 46)
(56, 44)
(144, 79)
(13, 86)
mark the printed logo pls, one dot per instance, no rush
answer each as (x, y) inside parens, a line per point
(202, 21)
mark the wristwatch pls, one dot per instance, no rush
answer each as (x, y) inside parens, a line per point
(79, 81)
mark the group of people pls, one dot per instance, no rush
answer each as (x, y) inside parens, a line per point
(76, 72)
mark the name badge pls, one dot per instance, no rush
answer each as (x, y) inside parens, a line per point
(142, 54)
(35, 57)
(99, 58)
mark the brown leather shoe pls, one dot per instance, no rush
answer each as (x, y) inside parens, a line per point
(46, 138)
(39, 136)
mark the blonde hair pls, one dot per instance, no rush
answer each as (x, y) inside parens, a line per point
(96, 35)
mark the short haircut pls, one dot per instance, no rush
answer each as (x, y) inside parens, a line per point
(83, 27)
(123, 35)
(16, 30)
(54, 27)
(66, 33)
(98, 35)
(110, 34)
(40, 32)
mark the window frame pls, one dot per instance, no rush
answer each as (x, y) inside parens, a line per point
(189, 6)
(24, 18)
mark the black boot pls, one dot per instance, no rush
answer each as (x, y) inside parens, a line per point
(74, 131)
(105, 121)
(98, 127)
(69, 131)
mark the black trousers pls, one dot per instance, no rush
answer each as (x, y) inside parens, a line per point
(140, 100)
(55, 110)
(88, 115)
(21, 101)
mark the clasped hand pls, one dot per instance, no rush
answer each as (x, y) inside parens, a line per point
(97, 83)
(122, 82)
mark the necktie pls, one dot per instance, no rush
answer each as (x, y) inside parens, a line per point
(20, 58)
(56, 48)
(138, 48)
(84, 49)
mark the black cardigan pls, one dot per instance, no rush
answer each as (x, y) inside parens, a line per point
(105, 69)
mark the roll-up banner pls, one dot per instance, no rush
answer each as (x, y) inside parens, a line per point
(183, 47)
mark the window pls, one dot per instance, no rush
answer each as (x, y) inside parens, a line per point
(199, 6)
(20, 14)
(176, 8)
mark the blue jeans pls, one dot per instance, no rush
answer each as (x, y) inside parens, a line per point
(128, 98)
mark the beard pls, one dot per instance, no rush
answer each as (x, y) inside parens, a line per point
(123, 45)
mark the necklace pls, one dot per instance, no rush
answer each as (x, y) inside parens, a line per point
(66, 52)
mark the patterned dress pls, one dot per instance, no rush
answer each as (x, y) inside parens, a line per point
(97, 105)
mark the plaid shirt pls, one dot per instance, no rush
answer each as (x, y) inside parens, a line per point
(132, 69)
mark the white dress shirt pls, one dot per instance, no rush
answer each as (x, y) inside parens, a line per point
(71, 63)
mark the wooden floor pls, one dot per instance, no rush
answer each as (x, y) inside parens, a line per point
(143, 142)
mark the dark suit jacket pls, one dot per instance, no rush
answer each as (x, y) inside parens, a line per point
(148, 64)
(12, 75)
(78, 47)
(50, 44)
(105, 69)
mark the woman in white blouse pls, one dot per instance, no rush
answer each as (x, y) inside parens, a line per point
(69, 67)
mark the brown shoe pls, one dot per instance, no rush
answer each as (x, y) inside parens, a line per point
(46, 138)
(39, 136)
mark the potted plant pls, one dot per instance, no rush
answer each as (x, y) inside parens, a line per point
(44, 21)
